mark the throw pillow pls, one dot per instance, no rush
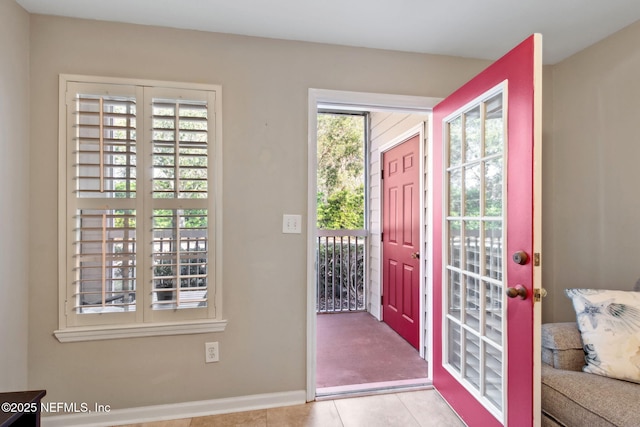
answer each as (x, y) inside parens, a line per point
(609, 322)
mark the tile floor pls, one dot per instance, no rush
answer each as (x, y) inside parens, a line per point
(424, 408)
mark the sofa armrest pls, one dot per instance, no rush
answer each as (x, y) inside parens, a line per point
(562, 346)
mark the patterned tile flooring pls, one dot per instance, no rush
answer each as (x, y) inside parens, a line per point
(424, 408)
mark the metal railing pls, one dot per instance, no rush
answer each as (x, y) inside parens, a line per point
(340, 261)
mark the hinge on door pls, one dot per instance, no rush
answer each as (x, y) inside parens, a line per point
(382, 237)
(381, 173)
(381, 299)
(536, 259)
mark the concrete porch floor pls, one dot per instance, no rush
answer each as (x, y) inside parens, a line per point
(354, 349)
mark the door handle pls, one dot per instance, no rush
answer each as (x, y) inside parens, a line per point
(520, 257)
(415, 255)
(517, 291)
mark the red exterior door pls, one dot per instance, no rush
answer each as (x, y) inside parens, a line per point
(401, 239)
(486, 209)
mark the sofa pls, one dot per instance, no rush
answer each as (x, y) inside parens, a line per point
(573, 398)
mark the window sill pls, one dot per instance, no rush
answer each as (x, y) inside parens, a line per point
(111, 332)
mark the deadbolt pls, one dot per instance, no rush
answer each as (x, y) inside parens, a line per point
(517, 291)
(520, 257)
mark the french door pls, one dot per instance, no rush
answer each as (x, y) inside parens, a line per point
(487, 242)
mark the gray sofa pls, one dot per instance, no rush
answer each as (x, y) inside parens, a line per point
(574, 398)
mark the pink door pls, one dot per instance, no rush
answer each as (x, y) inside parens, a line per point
(401, 239)
(486, 242)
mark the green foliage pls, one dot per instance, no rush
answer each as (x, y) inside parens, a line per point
(344, 209)
(340, 171)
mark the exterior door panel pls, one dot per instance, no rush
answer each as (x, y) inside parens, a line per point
(401, 236)
(486, 208)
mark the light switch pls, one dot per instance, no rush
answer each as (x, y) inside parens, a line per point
(292, 224)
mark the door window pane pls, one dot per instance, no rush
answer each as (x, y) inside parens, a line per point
(472, 190)
(472, 246)
(455, 193)
(472, 134)
(472, 304)
(455, 141)
(455, 294)
(493, 295)
(493, 175)
(455, 345)
(493, 375)
(493, 249)
(475, 215)
(455, 254)
(472, 358)
(494, 126)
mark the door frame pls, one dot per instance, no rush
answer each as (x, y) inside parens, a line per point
(361, 101)
(425, 244)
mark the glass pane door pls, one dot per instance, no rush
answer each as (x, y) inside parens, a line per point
(475, 217)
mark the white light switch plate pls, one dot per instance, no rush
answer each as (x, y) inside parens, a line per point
(292, 224)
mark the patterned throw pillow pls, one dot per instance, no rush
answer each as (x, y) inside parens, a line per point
(609, 322)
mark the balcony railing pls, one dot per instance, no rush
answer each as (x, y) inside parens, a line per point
(340, 259)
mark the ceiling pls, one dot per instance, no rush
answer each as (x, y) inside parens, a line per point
(470, 28)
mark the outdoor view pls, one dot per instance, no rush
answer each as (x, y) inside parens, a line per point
(341, 207)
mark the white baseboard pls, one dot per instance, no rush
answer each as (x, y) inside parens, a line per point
(176, 410)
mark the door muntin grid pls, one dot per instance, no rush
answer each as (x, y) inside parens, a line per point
(475, 215)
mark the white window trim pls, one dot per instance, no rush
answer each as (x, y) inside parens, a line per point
(95, 333)
(66, 333)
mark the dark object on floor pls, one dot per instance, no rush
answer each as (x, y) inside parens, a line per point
(21, 408)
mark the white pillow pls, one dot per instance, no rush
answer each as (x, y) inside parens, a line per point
(609, 322)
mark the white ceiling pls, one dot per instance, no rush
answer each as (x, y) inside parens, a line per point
(469, 28)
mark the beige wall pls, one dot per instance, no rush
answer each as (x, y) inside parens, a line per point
(265, 89)
(591, 169)
(590, 174)
(14, 176)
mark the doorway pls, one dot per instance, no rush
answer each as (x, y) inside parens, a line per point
(392, 121)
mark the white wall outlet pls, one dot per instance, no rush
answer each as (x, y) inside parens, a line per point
(292, 224)
(211, 352)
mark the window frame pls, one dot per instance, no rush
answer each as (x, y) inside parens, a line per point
(143, 321)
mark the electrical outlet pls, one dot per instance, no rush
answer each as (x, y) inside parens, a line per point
(211, 352)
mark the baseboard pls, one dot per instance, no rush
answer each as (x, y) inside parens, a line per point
(176, 410)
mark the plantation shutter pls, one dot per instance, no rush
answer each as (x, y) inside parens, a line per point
(102, 204)
(180, 127)
(137, 204)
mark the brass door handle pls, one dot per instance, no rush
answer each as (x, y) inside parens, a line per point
(520, 257)
(517, 291)
(415, 255)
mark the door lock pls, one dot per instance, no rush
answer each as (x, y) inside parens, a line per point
(520, 257)
(517, 291)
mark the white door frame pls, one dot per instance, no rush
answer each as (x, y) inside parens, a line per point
(363, 101)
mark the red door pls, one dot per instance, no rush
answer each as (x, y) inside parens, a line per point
(486, 242)
(401, 239)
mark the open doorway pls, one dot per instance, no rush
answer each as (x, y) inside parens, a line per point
(386, 126)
